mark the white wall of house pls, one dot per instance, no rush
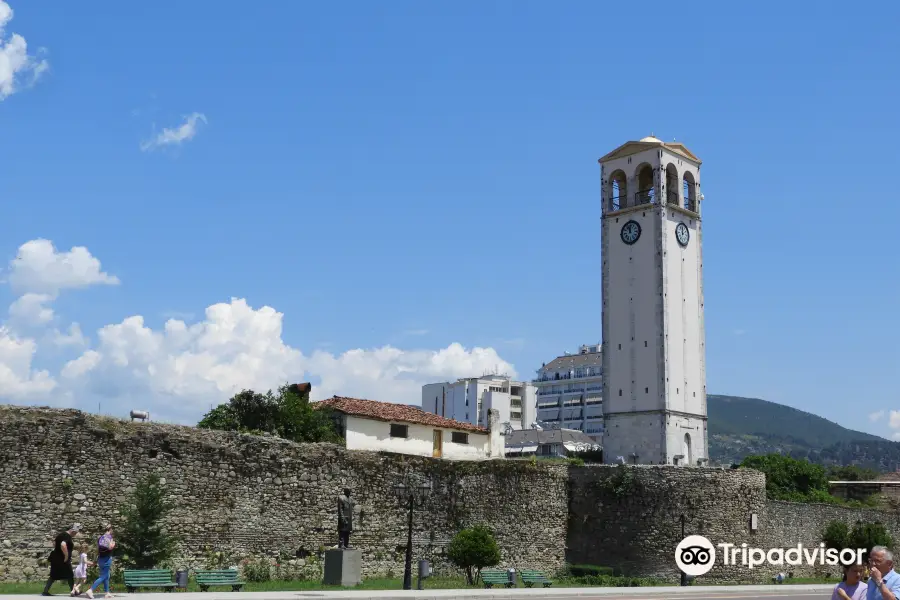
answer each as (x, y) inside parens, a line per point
(370, 434)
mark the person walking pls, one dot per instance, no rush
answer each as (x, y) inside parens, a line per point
(61, 559)
(81, 569)
(105, 546)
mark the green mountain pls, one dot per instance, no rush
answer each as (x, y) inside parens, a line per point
(739, 427)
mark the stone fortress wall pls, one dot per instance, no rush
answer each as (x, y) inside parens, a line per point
(243, 497)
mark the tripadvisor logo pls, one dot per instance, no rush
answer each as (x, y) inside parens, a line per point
(695, 555)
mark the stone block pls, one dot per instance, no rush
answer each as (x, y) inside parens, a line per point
(343, 567)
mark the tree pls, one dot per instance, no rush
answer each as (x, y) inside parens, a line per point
(287, 414)
(868, 535)
(143, 541)
(790, 478)
(473, 549)
(863, 535)
(851, 473)
(837, 535)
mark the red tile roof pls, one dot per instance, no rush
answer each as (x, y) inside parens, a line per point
(387, 411)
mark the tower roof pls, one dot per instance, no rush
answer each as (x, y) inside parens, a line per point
(650, 142)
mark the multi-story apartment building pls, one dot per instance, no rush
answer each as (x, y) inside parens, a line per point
(468, 400)
(570, 391)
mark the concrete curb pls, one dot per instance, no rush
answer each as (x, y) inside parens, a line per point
(484, 594)
(561, 593)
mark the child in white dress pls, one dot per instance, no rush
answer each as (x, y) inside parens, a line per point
(81, 570)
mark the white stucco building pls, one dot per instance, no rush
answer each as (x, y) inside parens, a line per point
(468, 400)
(570, 391)
(654, 373)
(404, 429)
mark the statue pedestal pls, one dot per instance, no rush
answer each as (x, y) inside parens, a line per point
(343, 567)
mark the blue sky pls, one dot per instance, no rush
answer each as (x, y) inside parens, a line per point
(415, 175)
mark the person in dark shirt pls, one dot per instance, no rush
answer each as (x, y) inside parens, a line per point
(61, 559)
(105, 547)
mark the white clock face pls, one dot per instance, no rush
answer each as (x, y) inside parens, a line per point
(631, 231)
(682, 234)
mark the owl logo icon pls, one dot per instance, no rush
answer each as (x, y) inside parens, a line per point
(695, 555)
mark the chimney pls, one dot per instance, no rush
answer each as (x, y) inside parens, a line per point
(301, 388)
(496, 441)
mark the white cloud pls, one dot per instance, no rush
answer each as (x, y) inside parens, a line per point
(32, 309)
(183, 133)
(179, 370)
(16, 64)
(39, 269)
(876, 416)
(18, 380)
(73, 337)
(182, 369)
(895, 419)
(395, 375)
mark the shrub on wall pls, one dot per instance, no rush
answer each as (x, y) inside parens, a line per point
(473, 549)
(863, 535)
(791, 479)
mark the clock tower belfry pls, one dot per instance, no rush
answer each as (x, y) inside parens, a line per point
(654, 347)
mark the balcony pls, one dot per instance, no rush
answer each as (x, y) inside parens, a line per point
(672, 198)
(567, 376)
(645, 197)
(690, 205)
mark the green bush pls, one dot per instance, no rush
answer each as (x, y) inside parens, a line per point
(837, 535)
(472, 550)
(618, 581)
(287, 414)
(591, 570)
(863, 535)
(257, 571)
(791, 479)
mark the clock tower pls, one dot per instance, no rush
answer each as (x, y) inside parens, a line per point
(654, 348)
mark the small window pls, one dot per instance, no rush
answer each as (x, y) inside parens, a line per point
(646, 390)
(458, 437)
(620, 392)
(399, 431)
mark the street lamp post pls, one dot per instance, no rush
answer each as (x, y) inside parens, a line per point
(411, 497)
(683, 574)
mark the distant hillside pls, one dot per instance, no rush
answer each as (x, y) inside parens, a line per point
(739, 427)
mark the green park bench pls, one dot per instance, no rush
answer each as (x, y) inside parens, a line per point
(494, 577)
(224, 577)
(149, 578)
(530, 577)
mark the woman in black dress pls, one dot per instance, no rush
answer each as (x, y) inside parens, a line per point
(61, 559)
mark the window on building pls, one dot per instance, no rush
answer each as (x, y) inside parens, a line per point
(399, 431)
(458, 437)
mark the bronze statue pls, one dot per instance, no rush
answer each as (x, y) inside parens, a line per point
(345, 519)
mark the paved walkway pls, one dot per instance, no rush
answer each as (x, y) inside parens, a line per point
(761, 592)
